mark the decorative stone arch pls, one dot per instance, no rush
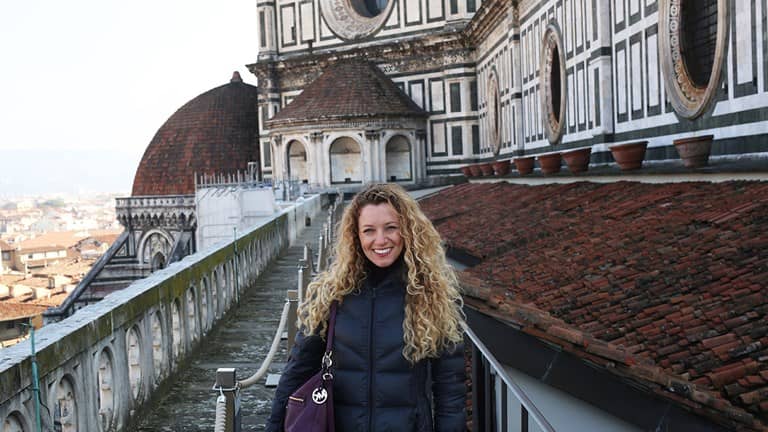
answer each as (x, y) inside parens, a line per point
(493, 104)
(133, 349)
(553, 83)
(356, 19)
(155, 248)
(229, 280)
(65, 408)
(242, 271)
(398, 158)
(177, 329)
(191, 318)
(220, 293)
(204, 306)
(345, 154)
(158, 345)
(15, 422)
(214, 296)
(692, 67)
(298, 161)
(105, 392)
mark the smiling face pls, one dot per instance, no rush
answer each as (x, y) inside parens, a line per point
(378, 228)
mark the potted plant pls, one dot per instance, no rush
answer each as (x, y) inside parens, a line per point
(695, 150)
(524, 165)
(501, 167)
(486, 169)
(629, 156)
(550, 163)
(578, 160)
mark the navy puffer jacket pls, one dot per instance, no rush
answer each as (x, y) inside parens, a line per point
(375, 388)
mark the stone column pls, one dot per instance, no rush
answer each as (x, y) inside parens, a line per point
(420, 156)
(371, 162)
(315, 153)
(279, 167)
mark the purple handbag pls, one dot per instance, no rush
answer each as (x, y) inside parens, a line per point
(310, 408)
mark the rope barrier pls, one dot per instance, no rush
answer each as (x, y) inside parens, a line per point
(272, 350)
(220, 423)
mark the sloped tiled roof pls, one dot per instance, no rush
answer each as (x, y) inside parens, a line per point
(669, 281)
(53, 240)
(5, 246)
(10, 310)
(348, 89)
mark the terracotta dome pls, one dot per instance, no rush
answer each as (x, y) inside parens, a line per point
(214, 133)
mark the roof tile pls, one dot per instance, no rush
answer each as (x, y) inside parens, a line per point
(674, 273)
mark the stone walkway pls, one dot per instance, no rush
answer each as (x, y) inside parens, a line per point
(241, 341)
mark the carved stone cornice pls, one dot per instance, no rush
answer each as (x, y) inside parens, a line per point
(297, 71)
(174, 212)
(490, 14)
(345, 123)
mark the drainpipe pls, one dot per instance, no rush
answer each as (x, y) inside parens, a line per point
(35, 378)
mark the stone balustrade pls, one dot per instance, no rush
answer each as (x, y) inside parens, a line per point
(100, 367)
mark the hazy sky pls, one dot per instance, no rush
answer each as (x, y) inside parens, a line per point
(85, 84)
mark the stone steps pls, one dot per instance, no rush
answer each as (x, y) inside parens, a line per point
(241, 341)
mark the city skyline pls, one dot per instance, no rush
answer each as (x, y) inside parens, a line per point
(88, 84)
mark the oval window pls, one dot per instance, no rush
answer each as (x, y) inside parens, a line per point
(552, 78)
(355, 19)
(369, 8)
(692, 43)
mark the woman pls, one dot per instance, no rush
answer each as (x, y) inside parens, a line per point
(397, 349)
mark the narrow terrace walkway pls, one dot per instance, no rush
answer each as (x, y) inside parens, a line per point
(242, 341)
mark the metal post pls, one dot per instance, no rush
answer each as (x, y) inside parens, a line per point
(35, 379)
(226, 384)
(309, 258)
(320, 255)
(293, 301)
(304, 277)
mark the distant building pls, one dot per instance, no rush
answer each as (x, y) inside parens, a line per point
(5, 256)
(214, 134)
(13, 320)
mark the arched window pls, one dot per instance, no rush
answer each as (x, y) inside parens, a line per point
(346, 161)
(398, 159)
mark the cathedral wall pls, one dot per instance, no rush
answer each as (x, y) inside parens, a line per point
(568, 74)
(620, 63)
(301, 26)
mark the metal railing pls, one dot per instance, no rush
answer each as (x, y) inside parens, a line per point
(227, 387)
(493, 389)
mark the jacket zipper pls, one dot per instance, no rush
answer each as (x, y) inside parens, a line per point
(370, 361)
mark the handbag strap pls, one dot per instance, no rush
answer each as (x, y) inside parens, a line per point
(331, 328)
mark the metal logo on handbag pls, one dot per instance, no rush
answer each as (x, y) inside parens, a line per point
(319, 396)
(316, 416)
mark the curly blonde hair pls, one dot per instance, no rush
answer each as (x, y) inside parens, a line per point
(433, 316)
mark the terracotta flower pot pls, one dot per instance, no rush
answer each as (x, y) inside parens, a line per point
(475, 170)
(501, 167)
(524, 165)
(466, 171)
(486, 169)
(694, 151)
(550, 163)
(629, 156)
(578, 160)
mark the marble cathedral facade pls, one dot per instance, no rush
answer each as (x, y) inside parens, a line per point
(503, 79)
